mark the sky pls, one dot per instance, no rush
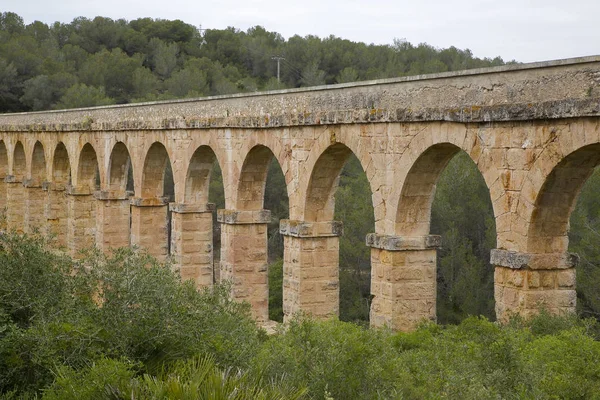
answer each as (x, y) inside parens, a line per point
(521, 30)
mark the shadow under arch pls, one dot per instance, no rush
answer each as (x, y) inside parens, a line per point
(88, 171)
(19, 167)
(198, 176)
(157, 175)
(120, 170)
(3, 175)
(38, 165)
(549, 225)
(61, 167)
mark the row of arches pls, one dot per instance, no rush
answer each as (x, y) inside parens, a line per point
(532, 198)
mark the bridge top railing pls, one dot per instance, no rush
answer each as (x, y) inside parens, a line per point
(517, 92)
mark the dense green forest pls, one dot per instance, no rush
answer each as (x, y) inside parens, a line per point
(102, 61)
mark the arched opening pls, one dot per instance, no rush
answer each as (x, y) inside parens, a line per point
(338, 190)
(38, 165)
(261, 186)
(120, 170)
(463, 216)
(61, 167)
(34, 195)
(157, 177)
(3, 175)
(151, 218)
(566, 216)
(57, 212)
(445, 194)
(19, 163)
(200, 259)
(15, 192)
(88, 174)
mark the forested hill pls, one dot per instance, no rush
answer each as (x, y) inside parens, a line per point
(101, 61)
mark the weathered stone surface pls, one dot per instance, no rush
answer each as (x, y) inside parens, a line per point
(310, 229)
(399, 243)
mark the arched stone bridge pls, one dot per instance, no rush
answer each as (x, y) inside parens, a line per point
(532, 130)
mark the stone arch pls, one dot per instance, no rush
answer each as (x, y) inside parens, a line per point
(253, 178)
(38, 165)
(414, 206)
(549, 223)
(157, 164)
(19, 165)
(119, 173)
(323, 182)
(88, 173)
(198, 175)
(61, 167)
(3, 160)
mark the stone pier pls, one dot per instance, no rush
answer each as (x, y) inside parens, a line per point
(150, 225)
(526, 283)
(35, 199)
(244, 257)
(192, 242)
(56, 214)
(311, 268)
(15, 202)
(403, 280)
(81, 226)
(113, 220)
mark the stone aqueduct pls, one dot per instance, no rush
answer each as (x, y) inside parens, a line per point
(532, 130)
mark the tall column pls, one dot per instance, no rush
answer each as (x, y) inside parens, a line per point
(81, 225)
(311, 268)
(150, 226)
(35, 199)
(403, 280)
(526, 283)
(113, 220)
(192, 242)
(244, 257)
(56, 214)
(15, 204)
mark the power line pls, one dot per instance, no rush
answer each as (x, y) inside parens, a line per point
(278, 58)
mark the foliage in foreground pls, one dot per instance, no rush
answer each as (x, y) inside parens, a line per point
(125, 327)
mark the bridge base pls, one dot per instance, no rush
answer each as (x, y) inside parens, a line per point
(311, 268)
(192, 242)
(150, 226)
(244, 257)
(81, 227)
(15, 202)
(525, 283)
(403, 280)
(113, 220)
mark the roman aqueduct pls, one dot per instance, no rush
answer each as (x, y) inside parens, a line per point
(532, 130)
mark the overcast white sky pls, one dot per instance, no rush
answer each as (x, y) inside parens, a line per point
(524, 30)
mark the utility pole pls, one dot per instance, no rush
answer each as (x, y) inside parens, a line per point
(278, 58)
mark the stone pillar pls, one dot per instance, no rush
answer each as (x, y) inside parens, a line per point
(113, 220)
(403, 280)
(35, 200)
(311, 268)
(55, 214)
(81, 225)
(192, 242)
(150, 225)
(244, 257)
(3, 204)
(526, 283)
(15, 204)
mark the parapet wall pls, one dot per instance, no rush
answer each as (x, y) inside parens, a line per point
(546, 90)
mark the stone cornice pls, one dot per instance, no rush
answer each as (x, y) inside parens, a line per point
(550, 90)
